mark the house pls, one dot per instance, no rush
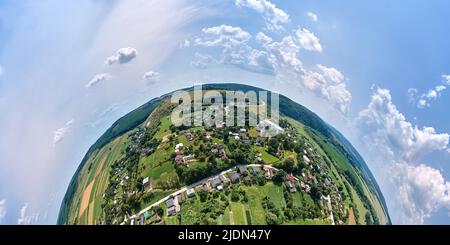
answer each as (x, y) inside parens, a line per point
(219, 125)
(215, 182)
(146, 215)
(245, 139)
(306, 160)
(180, 198)
(179, 159)
(267, 128)
(290, 186)
(146, 181)
(141, 219)
(190, 192)
(178, 147)
(170, 202)
(267, 172)
(224, 179)
(243, 170)
(247, 180)
(256, 170)
(290, 177)
(171, 211)
(234, 177)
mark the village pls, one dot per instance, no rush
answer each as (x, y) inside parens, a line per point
(286, 170)
(172, 204)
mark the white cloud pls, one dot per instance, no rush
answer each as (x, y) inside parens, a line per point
(263, 38)
(313, 16)
(383, 123)
(424, 100)
(235, 50)
(151, 76)
(2, 210)
(446, 79)
(286, 51)
(331, 73)
(262, 60)
(122, 56)
(273, 16)
(25, 218)
(308, 40)
(223, 35)
(328, 83)
(419, 189)
(60, 133)
(98, 78)
(422, 190)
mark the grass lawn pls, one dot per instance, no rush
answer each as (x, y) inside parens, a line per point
(238, 210)
(157, 195)
(266, 157)
(164, 128)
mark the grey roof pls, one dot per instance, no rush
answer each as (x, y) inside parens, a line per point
(170, 202)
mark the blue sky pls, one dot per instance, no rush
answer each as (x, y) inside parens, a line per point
(373, 70)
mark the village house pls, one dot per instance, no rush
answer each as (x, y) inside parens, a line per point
(216, 182)
(290, 186)
(190, 192)
(146, 182)
(267, 172)
(256, 170)
(224, 180)
(243, 170)
(267, 128)
(234, 177)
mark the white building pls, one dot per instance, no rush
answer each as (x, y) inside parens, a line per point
(267, 128)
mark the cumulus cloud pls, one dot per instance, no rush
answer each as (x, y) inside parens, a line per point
(151, 76)
(25, 218)
(2, 210)
(308, 40)
(60, 133)
(263, 38)
(273, 16)
(313, 16)
(223, 35)
(328, 83)
(122, 56)
(422, 191)
(286, 51)
(235, 50)
(381, 120)
(97, 79)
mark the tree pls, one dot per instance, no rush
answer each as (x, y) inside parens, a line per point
(272, 219)
(289, 165)
(234, 196)
(279, 176)
(203, 195)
